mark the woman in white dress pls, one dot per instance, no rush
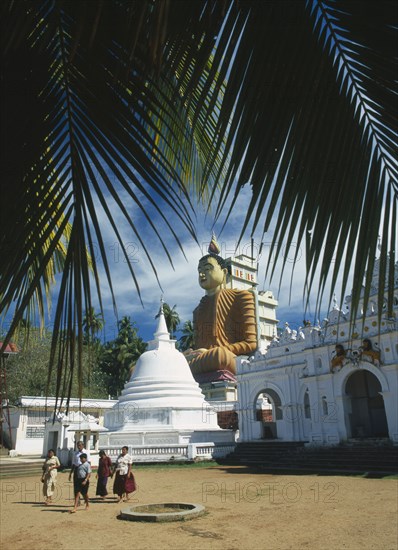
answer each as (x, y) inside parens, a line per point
(49, 477)
(124, 483)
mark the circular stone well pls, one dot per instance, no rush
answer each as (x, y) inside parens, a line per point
(164, 511)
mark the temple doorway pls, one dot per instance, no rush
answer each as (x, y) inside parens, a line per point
(268, 411)
(368, 416)
(52, 440)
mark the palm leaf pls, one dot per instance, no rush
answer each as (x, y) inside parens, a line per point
(162, 99)
(93, 105)
(313, 126)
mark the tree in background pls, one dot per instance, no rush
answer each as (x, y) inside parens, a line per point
(161, 104)
(27, 371)
(119, 356)
(93, 323)
(186, 340)
(171, 317)
(106, 368)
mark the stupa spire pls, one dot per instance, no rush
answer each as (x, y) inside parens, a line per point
(162, 332)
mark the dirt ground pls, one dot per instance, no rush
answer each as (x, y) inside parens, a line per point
(245, 510)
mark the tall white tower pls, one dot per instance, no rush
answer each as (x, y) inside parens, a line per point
(243, 276)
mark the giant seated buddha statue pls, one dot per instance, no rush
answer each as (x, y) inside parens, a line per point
(224, 322)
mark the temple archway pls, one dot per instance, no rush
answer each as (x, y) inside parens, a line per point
(367, 415)
(268, 411)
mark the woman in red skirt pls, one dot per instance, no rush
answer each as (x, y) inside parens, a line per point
(124, 481)
(103, 472)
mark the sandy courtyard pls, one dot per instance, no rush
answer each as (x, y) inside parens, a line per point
(245, 510)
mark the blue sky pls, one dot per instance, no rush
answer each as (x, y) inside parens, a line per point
(179, 281)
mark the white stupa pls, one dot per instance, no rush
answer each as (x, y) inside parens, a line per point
(162, 404)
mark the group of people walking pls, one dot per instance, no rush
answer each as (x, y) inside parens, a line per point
(124, 482)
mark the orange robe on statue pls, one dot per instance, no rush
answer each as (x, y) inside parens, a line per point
(224, 324)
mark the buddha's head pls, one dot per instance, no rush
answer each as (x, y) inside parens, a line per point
(212, 273)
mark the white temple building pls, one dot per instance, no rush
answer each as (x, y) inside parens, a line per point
(162, 413)
(34, 431)
(311, 398)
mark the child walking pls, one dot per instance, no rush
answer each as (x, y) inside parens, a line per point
(83, 473)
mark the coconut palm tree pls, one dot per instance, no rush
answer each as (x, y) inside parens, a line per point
(186, 340)
(171, 316)
(120, 355)
(161, 103)
(92, 324)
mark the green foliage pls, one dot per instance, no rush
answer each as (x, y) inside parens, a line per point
(106, 368)
(27, 371)
(92, 324)
(118, 357)
(186, 340)
(147, 102)
(171, 316)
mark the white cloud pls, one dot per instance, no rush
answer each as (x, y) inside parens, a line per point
(180, 282)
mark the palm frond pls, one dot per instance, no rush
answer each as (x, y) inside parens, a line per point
(157, 100)
(92, 111)
(368, 83)
(310, 102)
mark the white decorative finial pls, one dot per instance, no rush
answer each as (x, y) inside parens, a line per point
(162, 331)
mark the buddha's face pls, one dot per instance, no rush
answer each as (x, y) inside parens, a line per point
(211, 275)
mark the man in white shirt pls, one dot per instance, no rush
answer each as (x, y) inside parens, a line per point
(76, 461)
